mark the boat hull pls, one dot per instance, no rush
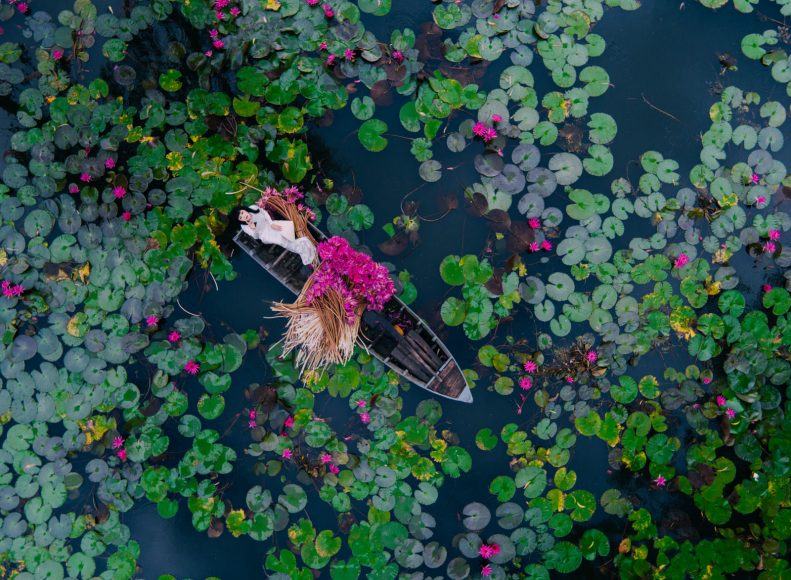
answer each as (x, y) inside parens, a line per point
(396, 336)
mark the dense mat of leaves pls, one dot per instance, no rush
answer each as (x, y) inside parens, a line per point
(122, 176)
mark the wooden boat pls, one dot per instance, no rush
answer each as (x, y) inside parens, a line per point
(396, 335)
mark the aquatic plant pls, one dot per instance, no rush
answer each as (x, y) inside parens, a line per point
(138, 131)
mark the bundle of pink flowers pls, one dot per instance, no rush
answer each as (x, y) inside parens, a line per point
(354, 275)
(323, 324)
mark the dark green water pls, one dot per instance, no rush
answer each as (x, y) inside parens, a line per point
(665, 53)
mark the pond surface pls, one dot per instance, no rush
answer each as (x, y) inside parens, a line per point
(664, 63)
(665, 54)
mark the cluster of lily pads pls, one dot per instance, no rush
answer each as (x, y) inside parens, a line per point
(121, 181)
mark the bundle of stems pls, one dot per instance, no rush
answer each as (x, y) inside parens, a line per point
(320, 332)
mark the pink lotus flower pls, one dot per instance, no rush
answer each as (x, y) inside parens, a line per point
(287, 453)
(121, 454)
(118, 442)
(534, 223)
(119, 192)
(398, 56)
(109, 163)
(766, 287)
(152, 320)
(174, 336)
(365, 418)
(760, 200)
(11, 290)
(774, 235)
(530, 366)
(289, 422)
(525, 383)
(681, 261)
(325, 458)
(546, 245)
(334, 469)
(57, 54)
(484, 132)
(721, 401)
(660, 481)
(486, 570)
(328, 11)
(192, 367)
(592, 356)
(496, 118)
(755, 178)
(126, 216)
(218, 44)
(85, 177)
(348, 54)
(706, 380)
(731, 413)
(534, 247)
(74, 188)
(770, 247)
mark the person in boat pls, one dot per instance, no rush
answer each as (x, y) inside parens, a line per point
(258, 224)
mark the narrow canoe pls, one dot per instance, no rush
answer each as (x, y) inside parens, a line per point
(396, 335)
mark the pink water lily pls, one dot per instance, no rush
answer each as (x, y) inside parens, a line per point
(218, 44)
(592, 356)
(11, 290)
(755, 178)
(74, 188)
(119, 192)
(365, 418)
(330, 60)
(85, 177)
(530, 366)
(770, 247)
(534, 247)
(760, 200)
(109, 163)
(660, 481)
(731, 413)
(121, 454)
(287, 453)
(525, 383)
(485, 132)
(192, 367)
(398, 56)
(323, 44)
(534, 223)
(766, 287)
(681, 261)
(235, 11)
(774, 235)
(126, 216)
(289, 422)
(721, 401)
(57, 54)
(118, 442)
(348, 55)
(361, 403)
(546, 245)
(22, 7)
(486, 570)
(569, 380)
(174, 336)
(325, 458)
(334, 469)
(706, 380)
(496, 118)
(328, 11)
(152, 320)
(488, 551)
